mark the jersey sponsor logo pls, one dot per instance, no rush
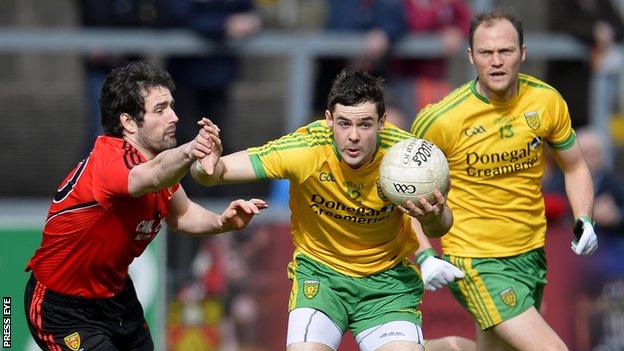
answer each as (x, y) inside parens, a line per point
(532, 119)
(310, 288)
(475, 130)
(504, 119)
(339, 210)
(350, 184)
(497, 163)
(72, 341)
(326, 177)
(148, 228)
(509, 297)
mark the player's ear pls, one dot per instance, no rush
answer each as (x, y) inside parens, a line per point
(128, 123)
(470, 56)
(523, 52)
(329, 118)
(382, 121)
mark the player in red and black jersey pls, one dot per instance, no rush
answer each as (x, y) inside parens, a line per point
(109, 208)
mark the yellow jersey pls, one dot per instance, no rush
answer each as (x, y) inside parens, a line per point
(496, 159)
(339, 215)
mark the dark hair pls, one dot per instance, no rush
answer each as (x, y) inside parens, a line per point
(353, 87)
(493, 16)
(124, 91)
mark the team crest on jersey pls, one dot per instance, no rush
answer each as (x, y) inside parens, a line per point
(354, 194)
(72, 341)
(509, 297)
(310, 288)
(533, 119)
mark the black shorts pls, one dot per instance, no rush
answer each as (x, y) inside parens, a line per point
(61, 322)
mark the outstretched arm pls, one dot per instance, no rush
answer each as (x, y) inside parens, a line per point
(214, 169)
(169, 166)
(233, 168)
(188, 217)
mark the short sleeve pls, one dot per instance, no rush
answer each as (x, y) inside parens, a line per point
(561, 134)
(110, 179)
(294, 156)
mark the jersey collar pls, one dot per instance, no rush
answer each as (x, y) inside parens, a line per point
(473, 88)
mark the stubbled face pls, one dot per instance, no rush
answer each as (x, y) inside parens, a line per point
(497, 55)
(159, 125)
(355, 132)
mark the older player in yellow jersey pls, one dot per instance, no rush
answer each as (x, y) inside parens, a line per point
(349, 269)
(493, 131)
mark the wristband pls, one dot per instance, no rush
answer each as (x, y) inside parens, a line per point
(421, 257)
(587, 219)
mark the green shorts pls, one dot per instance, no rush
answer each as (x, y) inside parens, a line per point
(356, 303)
(498, 289)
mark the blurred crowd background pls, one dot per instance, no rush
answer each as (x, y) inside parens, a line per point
(261, 68)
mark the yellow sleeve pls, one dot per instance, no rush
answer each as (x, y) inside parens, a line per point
(428, 126)
(293, 156)
(562, 135)
(435, 122)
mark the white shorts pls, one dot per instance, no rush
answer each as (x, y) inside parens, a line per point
(310, 325)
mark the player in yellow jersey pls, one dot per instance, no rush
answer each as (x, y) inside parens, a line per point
(349, 269)
(493, 131)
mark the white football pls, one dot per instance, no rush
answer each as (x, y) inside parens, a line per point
(413, 167)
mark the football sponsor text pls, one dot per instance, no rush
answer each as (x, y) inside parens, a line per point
(497, 163)
(339, 210)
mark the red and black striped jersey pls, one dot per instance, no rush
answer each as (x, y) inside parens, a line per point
(94, 228)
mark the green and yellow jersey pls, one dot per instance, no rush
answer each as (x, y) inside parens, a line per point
(496, 158)
(339, 216)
